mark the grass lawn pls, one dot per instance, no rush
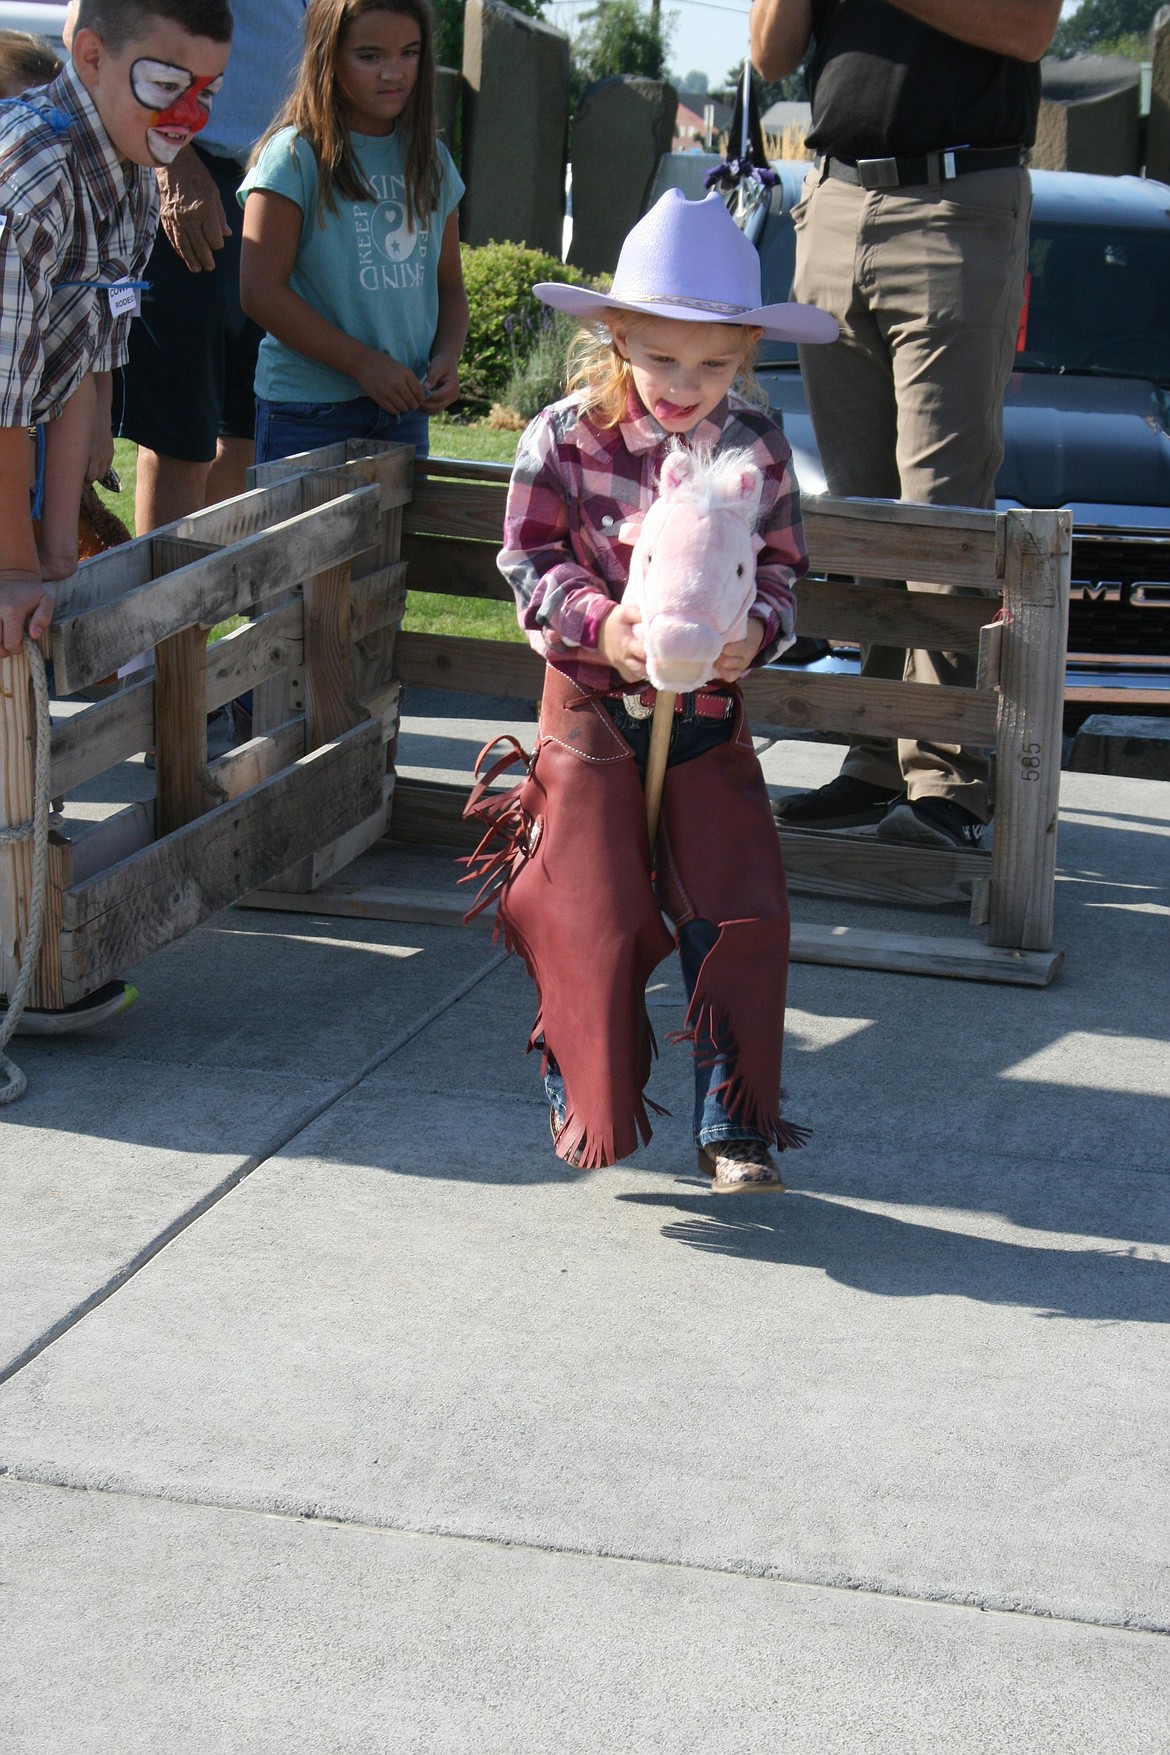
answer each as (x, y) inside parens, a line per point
(426, 612)
(474, 440)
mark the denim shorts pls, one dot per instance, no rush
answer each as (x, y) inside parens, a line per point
(285, 428)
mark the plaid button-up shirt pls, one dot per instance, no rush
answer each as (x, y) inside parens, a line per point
(69, 212)
(573, 486)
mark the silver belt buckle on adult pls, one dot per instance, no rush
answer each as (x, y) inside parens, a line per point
(878, 173)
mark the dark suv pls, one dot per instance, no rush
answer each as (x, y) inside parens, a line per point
(1086, 418)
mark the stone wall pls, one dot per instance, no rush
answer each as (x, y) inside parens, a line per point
(515, 127)
(620, 133)
(1158, 142)
(1089, 116)
(448, 97)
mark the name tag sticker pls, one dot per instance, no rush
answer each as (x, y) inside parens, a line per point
(123, 298)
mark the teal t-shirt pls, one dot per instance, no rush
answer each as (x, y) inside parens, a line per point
(363, 269)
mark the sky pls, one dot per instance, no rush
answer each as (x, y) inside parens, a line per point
(709, 35)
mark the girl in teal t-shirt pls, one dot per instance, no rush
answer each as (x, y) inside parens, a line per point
(350, 256)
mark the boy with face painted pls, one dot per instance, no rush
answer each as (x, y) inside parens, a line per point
(78, 214)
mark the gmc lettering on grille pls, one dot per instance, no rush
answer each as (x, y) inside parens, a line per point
(1138, 593)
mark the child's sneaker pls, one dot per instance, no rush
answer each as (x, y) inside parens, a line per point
(740, 1167)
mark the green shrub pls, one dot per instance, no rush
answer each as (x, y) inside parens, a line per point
(505, 318)
(538, 377)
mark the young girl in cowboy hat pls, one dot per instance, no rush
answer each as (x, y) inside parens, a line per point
(580, 897)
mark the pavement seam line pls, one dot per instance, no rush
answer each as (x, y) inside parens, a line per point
(284, 1137)
(763, 1575)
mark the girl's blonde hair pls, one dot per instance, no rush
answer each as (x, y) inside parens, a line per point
(601, 377)
(315, 109)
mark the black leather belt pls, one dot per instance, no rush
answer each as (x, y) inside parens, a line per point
(931, 168)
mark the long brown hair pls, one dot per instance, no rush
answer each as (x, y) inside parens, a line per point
(25, 61)
(315, 109)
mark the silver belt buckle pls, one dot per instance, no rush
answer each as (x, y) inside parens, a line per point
(877, 173)
(636, 707)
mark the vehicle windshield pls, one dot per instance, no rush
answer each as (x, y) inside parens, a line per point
(1098, 301)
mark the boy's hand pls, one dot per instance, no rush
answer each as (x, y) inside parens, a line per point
(390, 384)
(24, 605)
(191, 212)
(738, 654)
(442, 385)
(101, 454)
(619, 645)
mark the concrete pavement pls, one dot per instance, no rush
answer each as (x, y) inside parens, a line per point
(339, 1415)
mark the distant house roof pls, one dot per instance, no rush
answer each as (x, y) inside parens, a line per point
(777, 117)
(697, 101)
(688, 128)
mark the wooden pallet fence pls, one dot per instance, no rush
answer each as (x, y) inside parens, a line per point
(311, 557)
(1013, 571)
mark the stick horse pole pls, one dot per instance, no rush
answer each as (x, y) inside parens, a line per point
(693, 577)
(660, 728)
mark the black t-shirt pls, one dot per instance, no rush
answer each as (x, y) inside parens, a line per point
(884, 85)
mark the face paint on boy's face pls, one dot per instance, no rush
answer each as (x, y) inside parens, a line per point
(180, 100)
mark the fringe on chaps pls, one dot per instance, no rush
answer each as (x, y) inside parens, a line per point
(565, 853)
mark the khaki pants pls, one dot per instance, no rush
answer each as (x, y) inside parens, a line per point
(927, 286)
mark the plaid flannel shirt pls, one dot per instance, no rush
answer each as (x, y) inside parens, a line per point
(573, 486)
(69, 212)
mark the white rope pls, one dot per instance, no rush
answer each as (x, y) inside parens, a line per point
(38, 831)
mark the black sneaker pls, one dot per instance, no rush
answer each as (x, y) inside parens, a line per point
(845, 803)
(932, 822)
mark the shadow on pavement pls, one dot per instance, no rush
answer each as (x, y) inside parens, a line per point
(894, 1258)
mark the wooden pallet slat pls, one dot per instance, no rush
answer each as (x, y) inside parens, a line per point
(484, 667)
(805, 701)
(860, 615)
(843, 947)
(156, 895)
(90, 742)
(91, 645)
(377, 600)
(947, 545)
(455, 567)
(456, 508)
(272, 643)
(1029, 747)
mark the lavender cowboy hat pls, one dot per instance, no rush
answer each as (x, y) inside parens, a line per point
(690, 261)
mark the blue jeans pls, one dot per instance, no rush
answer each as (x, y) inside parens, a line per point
(285, 428)
(689, 737)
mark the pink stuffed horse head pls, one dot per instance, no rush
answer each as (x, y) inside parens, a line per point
(693, 569)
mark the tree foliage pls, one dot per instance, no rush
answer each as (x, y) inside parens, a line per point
(1106, 27)
(449, 26)
(617, 36)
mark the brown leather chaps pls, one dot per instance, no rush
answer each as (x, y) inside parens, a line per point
(567, 855)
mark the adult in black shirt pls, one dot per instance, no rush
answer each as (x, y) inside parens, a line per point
(912, 231)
